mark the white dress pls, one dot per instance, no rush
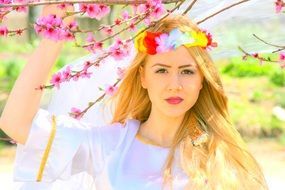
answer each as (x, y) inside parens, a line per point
(108, 157)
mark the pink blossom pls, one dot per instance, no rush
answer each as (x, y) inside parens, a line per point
(279, 4)
(52, 33)
(63, 6)
(87, 64)
(66, 35)
(19, 32)
(126, 15)
(96, 11)
(158, 11)
(76, 113)
(4, 9)
(127, 47)
(282, 56)
(147, 21)
(132, 26)
(73, 25)
(108, 30)
(3, 31)
(98, 45)
(110, 89)
(142, 8)
(135, 9)
(95, 45)
(118, 21)
(66, 74)
(38, 29)
(21, 8)
(90, 37)
(52, 27)
(92, 10)
(5, 1)
(154, 2)
(76, 77)
(83, 7)
(119, 49)
(121, 72)
(91, 48)
(118, 41)
(56, 80)
(85, 74)
(117, 53)
(104, 10)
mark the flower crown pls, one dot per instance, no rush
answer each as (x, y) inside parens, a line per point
(158, 42)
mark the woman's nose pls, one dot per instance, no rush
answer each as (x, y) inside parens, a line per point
(174, 83)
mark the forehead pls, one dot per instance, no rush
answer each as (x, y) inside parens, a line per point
(179, 56)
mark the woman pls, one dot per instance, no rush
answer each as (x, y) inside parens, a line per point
(170, 129)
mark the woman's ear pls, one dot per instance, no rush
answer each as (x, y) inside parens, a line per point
(141, 71)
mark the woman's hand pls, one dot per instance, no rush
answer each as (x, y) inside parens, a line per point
(53, 9)
(24, 101)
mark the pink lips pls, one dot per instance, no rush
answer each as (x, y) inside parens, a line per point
(174, 100)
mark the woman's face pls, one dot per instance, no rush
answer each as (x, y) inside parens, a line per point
(172, 74)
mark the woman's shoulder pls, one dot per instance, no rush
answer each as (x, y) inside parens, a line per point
(119, 127)
(112, 136)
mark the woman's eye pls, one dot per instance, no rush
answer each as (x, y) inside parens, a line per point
(158, 71)
(189, 72)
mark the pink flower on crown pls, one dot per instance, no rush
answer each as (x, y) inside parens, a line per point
(161, 43)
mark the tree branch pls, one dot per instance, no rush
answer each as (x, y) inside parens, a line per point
(189, 7)
(106, 2)
(277, 46)
(222, 10)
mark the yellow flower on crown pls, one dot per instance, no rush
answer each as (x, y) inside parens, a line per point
(139, 42)
(200, 39)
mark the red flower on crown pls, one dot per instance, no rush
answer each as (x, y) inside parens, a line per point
(150, 43)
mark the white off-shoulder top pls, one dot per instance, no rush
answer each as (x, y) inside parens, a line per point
(64, 153)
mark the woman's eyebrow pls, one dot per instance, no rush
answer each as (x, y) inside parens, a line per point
(181, 66)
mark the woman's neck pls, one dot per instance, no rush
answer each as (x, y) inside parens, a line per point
(160, 129)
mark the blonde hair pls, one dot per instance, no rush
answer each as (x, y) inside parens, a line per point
(223, 162)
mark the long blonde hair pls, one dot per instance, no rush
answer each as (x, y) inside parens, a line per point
(223, 162)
